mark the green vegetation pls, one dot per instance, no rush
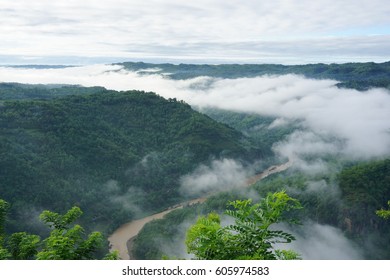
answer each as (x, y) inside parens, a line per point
(258, 128)
(347, 200)
(384, 213)
(16, 91)
(65, 242)
(250, 237)
(120, 155)
(168, 236)
(360, 76)
(365, 188)
(4, 254)
(110, 153)
(147, 244)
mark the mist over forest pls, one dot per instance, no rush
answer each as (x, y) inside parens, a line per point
(124, 141)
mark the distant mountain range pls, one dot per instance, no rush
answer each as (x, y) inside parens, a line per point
(360, 76)
(121, 155)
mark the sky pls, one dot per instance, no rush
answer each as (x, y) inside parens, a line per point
(202, 31)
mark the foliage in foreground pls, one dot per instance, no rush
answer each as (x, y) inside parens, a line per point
(65, 242)
(250, 237)
(384, 213)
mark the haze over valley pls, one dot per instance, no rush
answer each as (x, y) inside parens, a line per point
(251, 129)
(127, 154)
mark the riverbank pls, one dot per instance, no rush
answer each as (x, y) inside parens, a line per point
(121, 239)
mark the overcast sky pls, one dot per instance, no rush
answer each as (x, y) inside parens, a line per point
(277, 31)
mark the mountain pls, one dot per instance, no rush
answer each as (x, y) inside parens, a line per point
(17, 91)
(123, 155)
(342, 206)
(361, 76)
(114, 154)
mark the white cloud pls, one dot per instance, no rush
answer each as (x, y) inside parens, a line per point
(127, 200)
(322, 242)
(278, 123)
(272, 30)
(358, 121)
(221, 175)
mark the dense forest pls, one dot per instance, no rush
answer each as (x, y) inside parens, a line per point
(348, 201)
(116, 155)
(16, 91)
(119, 156)
(360, 76)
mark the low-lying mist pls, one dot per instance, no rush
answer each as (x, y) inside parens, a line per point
(314, 241)
(321, 242)
(345, 122)
(221, 175)
(335, 122)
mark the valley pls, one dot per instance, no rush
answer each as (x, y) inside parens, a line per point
(122, 238)
(125, 143)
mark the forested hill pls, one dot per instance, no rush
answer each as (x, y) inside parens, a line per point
(17, 91)
(361, 76)
(113, 154)
(348, 202)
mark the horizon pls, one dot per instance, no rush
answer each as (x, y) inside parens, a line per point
(55, 65)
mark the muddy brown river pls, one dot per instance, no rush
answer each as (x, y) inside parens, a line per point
(120, 237)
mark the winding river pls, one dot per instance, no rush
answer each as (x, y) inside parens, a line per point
(122, 238)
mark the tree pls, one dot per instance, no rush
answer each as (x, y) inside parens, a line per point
(23, 246)
(20, 245)
(65, 242)
(383, 213)
(250, 237)
(4, 254)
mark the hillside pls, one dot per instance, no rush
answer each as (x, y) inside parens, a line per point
(17, 91)
(360, 76)
(346, 200)
(121, 156)
(114, 154)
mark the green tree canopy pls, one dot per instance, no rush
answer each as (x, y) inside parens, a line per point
(383, 213)
(250, 237)
(4, 254)
(67, 241)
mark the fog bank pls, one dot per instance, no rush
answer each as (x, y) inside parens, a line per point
(334, 121)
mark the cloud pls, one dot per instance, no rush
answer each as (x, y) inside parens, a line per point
(341, 122)
(316, 241)
(176, 247)
(30, 214)
(358, 121)
(333, 121)
(221, 175)
(278, 123)
(127, 200)
(322, 186)
(273, 31)
(322, 242)
(303, 143)
(306, 150)
(313, 241)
